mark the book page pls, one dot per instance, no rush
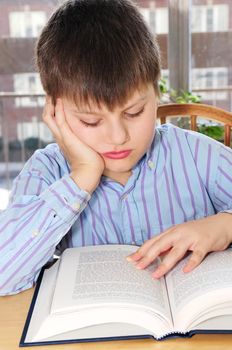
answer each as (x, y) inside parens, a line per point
(100, 275)
(43, 301)
(194, 293)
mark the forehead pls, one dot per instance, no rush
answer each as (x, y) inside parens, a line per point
(135, 97)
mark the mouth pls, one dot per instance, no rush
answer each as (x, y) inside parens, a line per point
(117, 155)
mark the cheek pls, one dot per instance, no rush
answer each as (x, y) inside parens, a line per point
(145, 137)
(150, 125)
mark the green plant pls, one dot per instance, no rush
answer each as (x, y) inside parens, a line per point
(176, 96)
(181, 96)
(163, 86)
(214, 131)
(184, 97)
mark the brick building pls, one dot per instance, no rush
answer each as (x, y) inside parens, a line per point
(21, 22)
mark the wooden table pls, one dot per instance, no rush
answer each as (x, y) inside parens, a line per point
(13, 311)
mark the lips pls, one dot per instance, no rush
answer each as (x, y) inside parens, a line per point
(117, 155)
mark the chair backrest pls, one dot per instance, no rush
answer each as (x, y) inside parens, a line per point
(195, 110)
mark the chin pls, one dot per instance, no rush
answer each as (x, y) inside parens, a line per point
(119, 169)
(119, 166)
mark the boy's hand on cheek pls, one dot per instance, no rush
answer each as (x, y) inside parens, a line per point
(87, 165)
(200, 237)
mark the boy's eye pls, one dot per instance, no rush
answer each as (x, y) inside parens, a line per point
(132, 115)
(89, 124)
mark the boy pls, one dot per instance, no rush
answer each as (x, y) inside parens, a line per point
(111, 177)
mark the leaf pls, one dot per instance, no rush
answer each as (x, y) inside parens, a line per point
(214, 131)
(177, 96)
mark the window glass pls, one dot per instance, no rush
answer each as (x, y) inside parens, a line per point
(212, 51)
(26, 24)
(21, 93)
(155, 13)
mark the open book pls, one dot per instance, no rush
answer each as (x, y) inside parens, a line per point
(93, 293)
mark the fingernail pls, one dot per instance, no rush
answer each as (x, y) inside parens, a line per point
(155, 277)
(136, 256)
(187, 268)
(156, 274)
(128, 258)
(139, 267)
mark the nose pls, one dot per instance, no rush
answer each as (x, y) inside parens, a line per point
(118, 133)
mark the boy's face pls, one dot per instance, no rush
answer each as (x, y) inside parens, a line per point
(128, 128)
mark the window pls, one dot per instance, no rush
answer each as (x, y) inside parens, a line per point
(28, 83)
(210, 78)
(211, 18)
(162, 21)
(156, 19)
(26, 24)
(33, 128)
(152, 20)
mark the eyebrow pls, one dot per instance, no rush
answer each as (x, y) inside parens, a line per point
(96, 113)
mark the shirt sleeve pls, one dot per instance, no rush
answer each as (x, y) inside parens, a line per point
(223, 181)
(43, 207)
(214, 163)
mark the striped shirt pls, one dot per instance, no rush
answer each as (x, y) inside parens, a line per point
(183, 176)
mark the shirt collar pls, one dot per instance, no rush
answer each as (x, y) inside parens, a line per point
(153, 151)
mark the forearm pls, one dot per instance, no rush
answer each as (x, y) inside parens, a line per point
(22, 237)
(31, 228)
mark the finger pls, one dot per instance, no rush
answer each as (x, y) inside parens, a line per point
(65, 131)
(154, 252)
(160, 246)
(49, 108)
(143, 250)
(49, 117)
(170, 260)
(134, 257)
(165, 252)
(195, 259)
(59, 112)
(151, 256)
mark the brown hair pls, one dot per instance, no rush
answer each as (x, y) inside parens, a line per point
(97, 50)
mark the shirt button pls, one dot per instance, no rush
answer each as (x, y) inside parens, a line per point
(76, 206)
(35, 233)
(124, 197)
(151, 164)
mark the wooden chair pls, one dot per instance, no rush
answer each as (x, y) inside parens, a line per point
(195, 110)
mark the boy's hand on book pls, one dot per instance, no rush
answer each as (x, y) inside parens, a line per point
(87, 165)
(200, 237)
